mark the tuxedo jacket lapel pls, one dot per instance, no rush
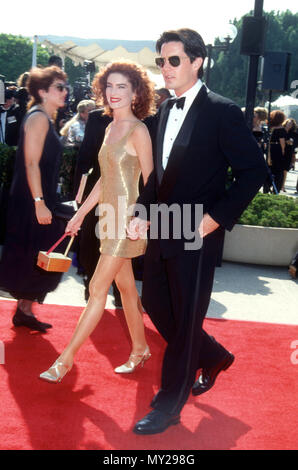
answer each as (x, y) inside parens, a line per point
(159, 144)
(180, 145)
(179, 149)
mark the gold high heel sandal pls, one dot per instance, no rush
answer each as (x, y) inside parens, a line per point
(134, 361)
(58, 374)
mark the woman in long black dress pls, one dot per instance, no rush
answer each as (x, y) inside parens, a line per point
(31, 225)
(277, 147)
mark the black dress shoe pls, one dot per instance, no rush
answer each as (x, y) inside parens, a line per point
(154, 422)
(208, 376)
(21, 319)
(118, 302)
(117, 296)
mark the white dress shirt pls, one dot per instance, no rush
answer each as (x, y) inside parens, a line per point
(3, 127)
(175, 121)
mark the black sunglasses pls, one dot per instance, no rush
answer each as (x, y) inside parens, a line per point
(174, 61)
(61, 87)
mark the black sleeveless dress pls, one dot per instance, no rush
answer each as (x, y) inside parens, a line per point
(278, 159)
(19, 274)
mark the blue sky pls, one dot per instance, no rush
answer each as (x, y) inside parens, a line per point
(127, 19)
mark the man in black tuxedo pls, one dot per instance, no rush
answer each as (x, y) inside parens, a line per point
(10, 120)
(198, 138)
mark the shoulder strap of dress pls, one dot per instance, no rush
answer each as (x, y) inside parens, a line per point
(130, 131)
(133, 127)
(38, 111)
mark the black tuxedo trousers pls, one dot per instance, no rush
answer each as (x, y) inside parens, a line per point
(176, 295)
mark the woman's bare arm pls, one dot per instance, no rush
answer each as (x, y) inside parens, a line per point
(36, 129)
(75, 223)
(143, 146)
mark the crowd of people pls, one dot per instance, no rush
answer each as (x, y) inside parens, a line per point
(180, 147)
(277, 136)
(70, 120)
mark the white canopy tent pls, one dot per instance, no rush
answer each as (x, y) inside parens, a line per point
(100, 57)
(76, 53)
(288, 104)
(285, 100)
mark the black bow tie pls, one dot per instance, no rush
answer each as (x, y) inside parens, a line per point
(178, 101)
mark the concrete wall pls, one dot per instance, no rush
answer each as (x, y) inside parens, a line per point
(260, 245)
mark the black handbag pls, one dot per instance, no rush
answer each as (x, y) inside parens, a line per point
(65, 210)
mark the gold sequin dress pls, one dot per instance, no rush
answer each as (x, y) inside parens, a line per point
(120, 173)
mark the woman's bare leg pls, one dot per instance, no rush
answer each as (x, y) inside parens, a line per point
(284, 180)
(132, 307)
(103, 276)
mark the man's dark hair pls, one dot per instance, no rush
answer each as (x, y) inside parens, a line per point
(194, 45)
(55, 60)
(164, 92)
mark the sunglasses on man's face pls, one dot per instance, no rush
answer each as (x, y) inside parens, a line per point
(174, 61)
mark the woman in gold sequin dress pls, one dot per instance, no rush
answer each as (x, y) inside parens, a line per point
(128, 96)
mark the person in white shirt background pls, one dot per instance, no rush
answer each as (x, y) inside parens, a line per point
(73, 131)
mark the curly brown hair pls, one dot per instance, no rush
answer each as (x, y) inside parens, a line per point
(144, 102)
(42, 79)
(277, 117)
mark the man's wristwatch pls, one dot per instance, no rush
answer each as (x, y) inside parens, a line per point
(36, 199)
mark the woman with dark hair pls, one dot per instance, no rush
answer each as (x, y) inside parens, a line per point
(31, 226)
(291, 143)
(126, 93)
(277, 147)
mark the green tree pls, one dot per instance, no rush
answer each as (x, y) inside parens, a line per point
(16, 56)
(74, 72)
(229, 74)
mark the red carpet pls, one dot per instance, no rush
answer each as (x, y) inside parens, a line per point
(252, 406)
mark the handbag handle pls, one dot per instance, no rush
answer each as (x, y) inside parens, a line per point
(82, 186)
(58, 243)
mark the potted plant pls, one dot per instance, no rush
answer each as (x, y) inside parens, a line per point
(267, 232)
